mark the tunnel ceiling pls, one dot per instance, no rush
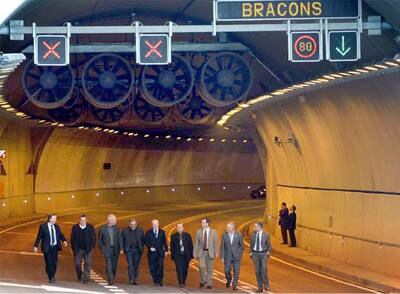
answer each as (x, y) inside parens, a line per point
(269, 48)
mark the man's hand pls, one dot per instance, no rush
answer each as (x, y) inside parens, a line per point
(65, 244)
(35, 249)
(166, 253)
(251, 255)
(222, 260)
(121, 252)
(152, 249)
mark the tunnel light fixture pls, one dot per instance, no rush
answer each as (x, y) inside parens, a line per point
(26, 201)
(72, 196)
(200, 139)
(248, 187)
(81, 128)
(362, 71)
(168, 137)
(189, 139)
(198, 188)
(173, 190)
(146, 136)
(49, 198)
(122, 193)
(157, 137)
(371, 68)
(223, 140)
(179, 138)
(147, 191)
(223, 188)
(391, 63)
(244, 141)
(97, 194)
(381, 66)
(234, 141)
(212, 140)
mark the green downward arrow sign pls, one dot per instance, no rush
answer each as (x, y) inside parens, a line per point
(343, 50)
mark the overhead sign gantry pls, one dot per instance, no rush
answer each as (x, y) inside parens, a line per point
(308, 23)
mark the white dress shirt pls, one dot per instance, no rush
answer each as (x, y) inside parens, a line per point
(260, 241)
(231, 236)
(52, 227)
(207, 231)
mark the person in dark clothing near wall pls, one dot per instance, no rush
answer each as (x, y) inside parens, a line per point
(110, 244)
(292, 226)
(133, 246)
(83, 241)
(284, 222)
(50, 237)
(181, 253)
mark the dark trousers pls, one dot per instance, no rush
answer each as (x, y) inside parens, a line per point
(133, 257)
(84, 257)
(284, 234)
(260, 267)
(111, 256)
(229, 264)
(292, 237)
(182, 266)
(156, 265)
(50, 259)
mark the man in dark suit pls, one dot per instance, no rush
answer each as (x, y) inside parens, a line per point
(157, 246)
(260, 249)
(83, 241)
(231, 254)
(133, 244)
(284, 222)
(110, 244)
(181, 252)
(50, 237)
(292, 226)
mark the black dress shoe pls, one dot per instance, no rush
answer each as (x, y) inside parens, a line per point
(110, 283)
(156, 284)
(135, 283)
(234, 288)
(85, 281)
(161, 284)
(259, 290)
(209, 287)
(201, 285)
(228, 284)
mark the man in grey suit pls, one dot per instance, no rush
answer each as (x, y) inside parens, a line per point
(110, 244)
(231, 254)
(206, 250)
(260, 249)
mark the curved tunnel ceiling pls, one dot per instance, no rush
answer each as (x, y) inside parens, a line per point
(269, 48)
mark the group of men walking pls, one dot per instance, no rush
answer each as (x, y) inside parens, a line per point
(132, 241)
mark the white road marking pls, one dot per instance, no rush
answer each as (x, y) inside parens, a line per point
(48, 288)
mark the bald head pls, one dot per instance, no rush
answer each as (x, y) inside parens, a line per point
(155, 224)
(111, 220)
(179, 228)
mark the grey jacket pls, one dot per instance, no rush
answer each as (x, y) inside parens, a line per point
(104, 239)
(212, 244)
(265, 242)
(234, 249)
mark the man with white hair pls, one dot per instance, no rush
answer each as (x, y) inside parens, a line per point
(156, 242)
(231, 254)
(110, 244)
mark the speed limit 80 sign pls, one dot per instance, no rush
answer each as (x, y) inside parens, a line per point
(305, 47)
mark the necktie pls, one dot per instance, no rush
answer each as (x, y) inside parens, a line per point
(258, 248)
(156, 233)
(52, 235)
(181, 243)
(205, 241)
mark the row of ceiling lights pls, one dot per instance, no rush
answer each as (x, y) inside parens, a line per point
(122, 193)
(315, 82)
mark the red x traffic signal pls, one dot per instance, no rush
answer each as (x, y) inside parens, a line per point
(154, 49)
(51, 50)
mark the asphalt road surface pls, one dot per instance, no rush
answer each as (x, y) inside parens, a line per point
(22, 271)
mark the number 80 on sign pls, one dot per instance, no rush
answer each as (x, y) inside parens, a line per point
(305, 47)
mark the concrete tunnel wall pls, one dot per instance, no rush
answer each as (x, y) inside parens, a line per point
(344, 177)
(70, 172)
